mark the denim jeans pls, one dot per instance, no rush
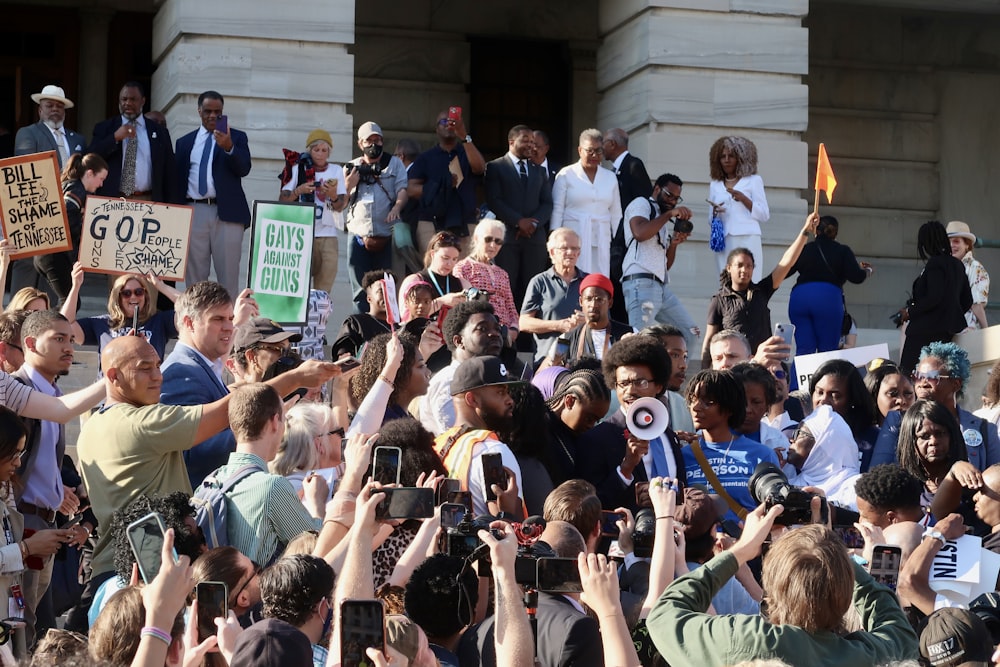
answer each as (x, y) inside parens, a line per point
(649, 302)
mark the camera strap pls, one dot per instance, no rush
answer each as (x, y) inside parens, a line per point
(713, 479)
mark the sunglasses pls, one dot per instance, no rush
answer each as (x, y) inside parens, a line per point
(801, 432)
(138, 291)
(337, 431)
(779, 374)
(931, 376)
(491, 239)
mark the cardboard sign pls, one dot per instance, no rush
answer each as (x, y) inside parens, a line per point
(31, 206)
(129, 236)
(806, 364)
(281, 237)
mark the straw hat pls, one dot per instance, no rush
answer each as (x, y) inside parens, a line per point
(51, 92)
(961, 230)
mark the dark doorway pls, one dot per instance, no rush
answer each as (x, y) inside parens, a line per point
(516, 82)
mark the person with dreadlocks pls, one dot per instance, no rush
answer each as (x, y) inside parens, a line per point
(739, 205)
(741, 302)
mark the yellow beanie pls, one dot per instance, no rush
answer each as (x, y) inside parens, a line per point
(319, 135)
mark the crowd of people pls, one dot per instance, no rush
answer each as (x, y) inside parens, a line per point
(515, 468)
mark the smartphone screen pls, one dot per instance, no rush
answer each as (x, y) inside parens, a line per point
(222, 124)
(213, 603)
(884, 567)
(385, 466)
(642, 495)
(463, 498)
(362, 626)
(445, 488)
(452, 515)
(145, 536)
(406, 503)
(493, 473)
(609, 525)
(558, 575)
(851, 536)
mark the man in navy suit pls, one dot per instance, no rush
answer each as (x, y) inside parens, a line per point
(541, 156)
(48, 134)
(139, 152)
(520, 196)
(192, 372)
(211, 161)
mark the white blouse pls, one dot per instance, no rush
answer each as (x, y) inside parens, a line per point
(592, 210)
(737, 220)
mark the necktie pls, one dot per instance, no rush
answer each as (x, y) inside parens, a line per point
(523, 171)
(61, 145)
(128, 168)
(206, 156)
(660, 467)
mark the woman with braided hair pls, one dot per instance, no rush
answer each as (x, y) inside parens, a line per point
(579, 401)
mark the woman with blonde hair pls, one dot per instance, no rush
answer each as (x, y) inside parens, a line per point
(739, 205)
(312, 445)
(29, 298)
(131, 300)
(481, 272)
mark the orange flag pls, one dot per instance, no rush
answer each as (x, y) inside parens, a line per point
(825, 180)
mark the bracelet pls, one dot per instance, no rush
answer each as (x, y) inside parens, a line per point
(151, 631)
(24, 550)
(27, 549)
(664, 517)
(387, 381)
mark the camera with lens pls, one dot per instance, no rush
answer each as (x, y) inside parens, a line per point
(897, 317)
(644, 533)
(463, 541)
(770, 486)
(683, 226)
(368, 173)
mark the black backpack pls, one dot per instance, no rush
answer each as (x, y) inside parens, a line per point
(619, 248)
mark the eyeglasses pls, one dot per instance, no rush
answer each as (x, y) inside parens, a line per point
(669, 195)
(16, 456)
(277, 349)
(594, 299)
(491, 239)
(568, 250)
(593, 151)
(931, 376)
(138, 291)
(801, 432)
(256, 571)
(638, 383)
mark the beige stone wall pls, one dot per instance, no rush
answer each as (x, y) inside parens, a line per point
(905, 103)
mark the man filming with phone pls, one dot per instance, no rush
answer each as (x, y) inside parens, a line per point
(654, 227)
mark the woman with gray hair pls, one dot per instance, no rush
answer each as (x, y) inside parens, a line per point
(480, 271)
(311, 445)
(585, 198)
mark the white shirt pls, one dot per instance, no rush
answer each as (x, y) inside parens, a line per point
(325, 224)
(477, 485)
(143, 159)
(649, 256)
(736, 219)
(592, 210)
(196, 151)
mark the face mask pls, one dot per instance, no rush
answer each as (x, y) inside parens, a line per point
(328, 623)
(374, 151)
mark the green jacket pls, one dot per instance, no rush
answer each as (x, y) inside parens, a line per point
(685, 635)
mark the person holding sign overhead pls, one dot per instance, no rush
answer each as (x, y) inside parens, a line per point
(211, 161)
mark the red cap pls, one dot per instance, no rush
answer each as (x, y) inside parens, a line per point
(597, 280)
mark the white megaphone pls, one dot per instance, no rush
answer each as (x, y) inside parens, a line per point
(647, 418)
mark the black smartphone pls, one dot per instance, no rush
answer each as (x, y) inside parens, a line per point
(445, 488)
(347, 364)
(558, 575)
(609, 525)
(385, 464)
(884, 567)
(222, 124)
(560, 349)
(452, 515)
(461, 498)
(145, 536)
(493, 473)
(851, 536)
(362, 626)
(406, 503)
(213, 603)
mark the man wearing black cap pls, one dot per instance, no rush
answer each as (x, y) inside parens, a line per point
(256, 346)
(956, 638)
(483, 406)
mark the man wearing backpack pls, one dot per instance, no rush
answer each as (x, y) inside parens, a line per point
(650, 248)
(262, 511)
(376, 193)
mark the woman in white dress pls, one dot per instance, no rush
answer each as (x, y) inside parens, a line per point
(738, 201)
(585, 199)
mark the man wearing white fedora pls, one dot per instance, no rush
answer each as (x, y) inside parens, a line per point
(48, 134)
(962, 240)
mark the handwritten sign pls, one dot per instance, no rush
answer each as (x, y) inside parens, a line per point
(31, 205)
(281, 239)
(128, 236)
(807, 364)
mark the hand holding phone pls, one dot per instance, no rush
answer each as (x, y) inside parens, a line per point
(145, 536)
(222, 124)
(213, 603)
(884, 566)
(362, 626)
(493, 473)
(385, 465)
(786, 332)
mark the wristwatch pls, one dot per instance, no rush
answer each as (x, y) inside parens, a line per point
(936, 534)
(468, 139)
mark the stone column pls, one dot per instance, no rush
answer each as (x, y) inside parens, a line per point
(678, 74)
(94, 31)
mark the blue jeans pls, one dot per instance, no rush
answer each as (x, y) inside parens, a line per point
(649, 302)
(817, 311)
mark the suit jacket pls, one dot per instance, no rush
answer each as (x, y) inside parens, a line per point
(565, 638)
(511, 200)
(38, 138)
(633, 181)
(599, 453)
(163, 172)
(227, 170)
(552, 169)
(941, 295)
(189, 380)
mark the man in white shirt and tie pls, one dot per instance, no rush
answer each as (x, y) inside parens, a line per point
(48, 134)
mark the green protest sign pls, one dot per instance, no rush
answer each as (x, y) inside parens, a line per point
(281, 237)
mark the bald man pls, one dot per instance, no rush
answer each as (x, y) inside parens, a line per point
(134, 444)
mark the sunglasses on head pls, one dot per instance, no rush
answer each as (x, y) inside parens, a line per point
(138, 291)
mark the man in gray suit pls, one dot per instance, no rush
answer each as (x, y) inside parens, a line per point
(48, 134)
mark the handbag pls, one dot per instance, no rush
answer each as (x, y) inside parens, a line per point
(376, 243)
